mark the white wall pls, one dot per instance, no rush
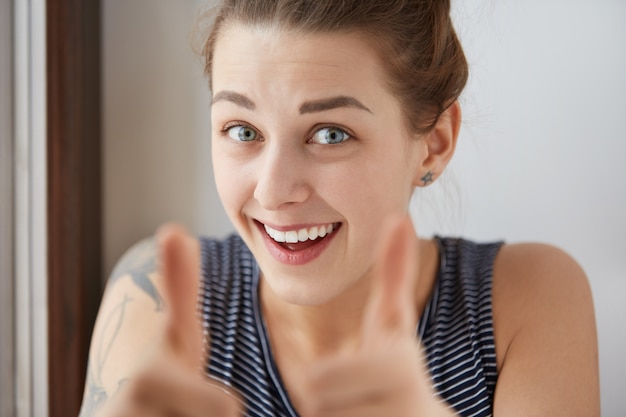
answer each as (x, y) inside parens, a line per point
(540, 156)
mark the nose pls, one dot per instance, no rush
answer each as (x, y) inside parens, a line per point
(281, 177)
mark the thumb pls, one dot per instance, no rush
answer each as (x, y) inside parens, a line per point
(391, 309)
(179, 256)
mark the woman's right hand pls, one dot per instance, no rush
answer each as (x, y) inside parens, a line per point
(170, 379)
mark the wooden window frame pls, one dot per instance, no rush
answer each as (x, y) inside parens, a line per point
(50, 208)
(74, 195)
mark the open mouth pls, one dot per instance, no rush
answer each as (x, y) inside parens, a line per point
(303, 238)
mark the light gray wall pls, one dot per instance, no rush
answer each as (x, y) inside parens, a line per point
(156, 125)
(7, 287)
(540, 156)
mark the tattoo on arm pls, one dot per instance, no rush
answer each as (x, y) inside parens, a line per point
(95, 394)
(139, 263)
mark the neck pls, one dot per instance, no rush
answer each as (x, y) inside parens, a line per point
(315, 331)
(310, 332)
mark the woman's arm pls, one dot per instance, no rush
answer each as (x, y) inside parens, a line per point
(127, 326)
(546, 342)
(146, 348)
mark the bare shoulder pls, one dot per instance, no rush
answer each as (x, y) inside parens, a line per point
(545, 330)
(533, 282)
(531, 279)
(128, 325)
(131, 296)
(140, 257)
(138, 266)
(535, 269)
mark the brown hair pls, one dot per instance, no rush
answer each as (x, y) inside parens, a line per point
(425, 64)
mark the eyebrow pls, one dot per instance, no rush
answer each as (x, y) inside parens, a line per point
(236, 98)
(313, 106)
(332, 103)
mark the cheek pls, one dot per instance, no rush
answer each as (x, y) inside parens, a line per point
(367, 192)
(230, 183)
(373, 189)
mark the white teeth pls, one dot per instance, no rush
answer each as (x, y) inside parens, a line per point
(291, 237)
(280, 236)
(301, 235)
(326, 230)
(277, 235)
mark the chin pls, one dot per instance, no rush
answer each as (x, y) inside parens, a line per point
(292, 290)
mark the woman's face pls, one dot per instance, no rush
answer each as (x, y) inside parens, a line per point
(308, 147)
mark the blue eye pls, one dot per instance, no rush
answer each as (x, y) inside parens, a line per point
(242, 133)
(330, 136)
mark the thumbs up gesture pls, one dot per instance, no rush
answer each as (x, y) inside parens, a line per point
(387, 375)
(171, 381)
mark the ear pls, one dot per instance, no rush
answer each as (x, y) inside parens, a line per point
(440, 144)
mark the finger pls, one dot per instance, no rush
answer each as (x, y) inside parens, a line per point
(180, 268)
(343, 382)
(170, 390)
(127, 410)
(391, 307)
(377, 409)
(435, 408)
(392, 382)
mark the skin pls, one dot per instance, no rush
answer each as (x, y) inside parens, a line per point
(259, 181)
(375, 273)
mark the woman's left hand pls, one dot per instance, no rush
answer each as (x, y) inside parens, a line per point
(387, 375)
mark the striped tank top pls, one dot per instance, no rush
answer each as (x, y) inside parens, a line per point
(456, 328)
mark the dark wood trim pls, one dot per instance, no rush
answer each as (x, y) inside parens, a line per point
(74, 194)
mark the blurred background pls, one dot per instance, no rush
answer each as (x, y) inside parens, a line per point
(540, 157)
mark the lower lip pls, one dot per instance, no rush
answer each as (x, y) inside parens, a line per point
(290, 257)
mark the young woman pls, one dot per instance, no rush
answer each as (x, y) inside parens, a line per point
(327, 117)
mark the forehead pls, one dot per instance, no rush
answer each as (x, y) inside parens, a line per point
(272, 59)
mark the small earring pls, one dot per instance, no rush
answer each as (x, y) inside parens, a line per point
(428, 178)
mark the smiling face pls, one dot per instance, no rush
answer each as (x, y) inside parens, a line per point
(311, 154)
